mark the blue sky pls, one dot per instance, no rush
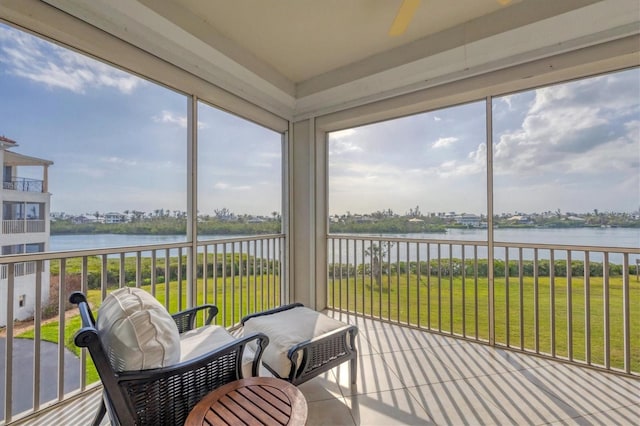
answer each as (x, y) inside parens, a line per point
(119, 143)
(573, 147)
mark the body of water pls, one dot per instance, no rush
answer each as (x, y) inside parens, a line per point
(266, 249)
(600, 237)
(603, 237)
(83, 242)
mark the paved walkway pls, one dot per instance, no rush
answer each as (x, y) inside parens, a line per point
(23, 373)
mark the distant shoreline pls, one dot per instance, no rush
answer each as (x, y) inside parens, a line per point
(248, 229)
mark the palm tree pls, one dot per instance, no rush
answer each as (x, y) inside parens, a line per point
(377, 252)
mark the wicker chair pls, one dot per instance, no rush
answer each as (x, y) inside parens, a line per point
(311, 355)
(163, 396)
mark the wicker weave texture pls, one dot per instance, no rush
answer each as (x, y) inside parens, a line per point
(324, 352)
(168, 400)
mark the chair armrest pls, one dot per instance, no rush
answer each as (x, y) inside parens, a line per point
(322, 353)
(271, 311)
(186, 320)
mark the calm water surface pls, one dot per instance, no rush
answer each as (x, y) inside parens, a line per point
(604, 237)
(601, 237)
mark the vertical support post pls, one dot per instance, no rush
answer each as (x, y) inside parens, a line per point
(490, 278)
(587, 307)
(569, 307)
(320, 212)
(8, 354)
(61, 321)
(37, 336)
(626, 312)
(606, 312)
(84, 288)
(192, 200)
(552, 300)
(307, 215)
(536, 302)
(45, 179)
(285, 224)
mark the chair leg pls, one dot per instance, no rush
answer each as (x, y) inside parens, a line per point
(100, 414)
(354, 370)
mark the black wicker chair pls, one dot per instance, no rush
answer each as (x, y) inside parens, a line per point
(163, 396)
(318, 354)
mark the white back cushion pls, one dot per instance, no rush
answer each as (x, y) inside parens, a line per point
(136, 331)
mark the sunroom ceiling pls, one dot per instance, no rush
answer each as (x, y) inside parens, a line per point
(301, 58)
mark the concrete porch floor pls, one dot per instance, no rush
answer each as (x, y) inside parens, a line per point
(410, 377)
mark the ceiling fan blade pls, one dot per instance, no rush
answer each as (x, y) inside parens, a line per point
(403, 17)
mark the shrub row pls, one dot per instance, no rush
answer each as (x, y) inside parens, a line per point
(456, 267)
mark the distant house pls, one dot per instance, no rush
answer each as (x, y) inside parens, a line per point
(520, 220)
(78, 220)
(114, 217)
(468, 219)
(575, 218)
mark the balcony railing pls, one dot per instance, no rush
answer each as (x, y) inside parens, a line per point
(24, 184)
(239, 275)
(541, 302)
(571, 303)
(22, 226)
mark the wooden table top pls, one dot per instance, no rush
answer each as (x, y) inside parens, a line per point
(251, 401)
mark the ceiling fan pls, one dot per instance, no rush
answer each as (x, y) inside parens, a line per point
(405, 14)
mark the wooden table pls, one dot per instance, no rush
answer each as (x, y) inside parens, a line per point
(252, 401)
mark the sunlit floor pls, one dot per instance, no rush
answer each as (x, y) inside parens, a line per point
(410, 377)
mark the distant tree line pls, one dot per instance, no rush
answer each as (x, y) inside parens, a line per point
(167, 226)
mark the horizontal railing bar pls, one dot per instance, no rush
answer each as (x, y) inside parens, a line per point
(51, 255)
(240, 239)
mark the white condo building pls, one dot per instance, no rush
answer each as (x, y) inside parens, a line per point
(25, 227)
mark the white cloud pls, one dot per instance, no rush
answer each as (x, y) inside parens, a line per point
(119, 161)
(169, 117)
(633, 129)
(507, 100)
(564, 127)
(341, 134)
(26, 56)
(225, 186)
(444, 142)
(343, 141)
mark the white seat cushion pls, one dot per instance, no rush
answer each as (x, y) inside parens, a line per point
(203, 340)
(136, 331)
(286, 329)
